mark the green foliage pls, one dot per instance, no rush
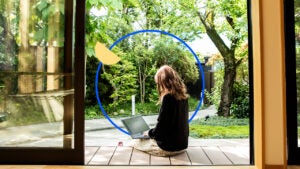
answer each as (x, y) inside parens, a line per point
(215, 95)
(111, 4)
(240, 96)
(297, 19)
(92, 112)
(147, 51)
(153, 95)
(105, 90)
(26, 112)
(226, 20)
(193, 103)
(220, 127)
(222, 10)
(8, 32)
(149, 108)
(181, 60)
(105, 28)
(221, 121)
(123, 110)
(144, 60)
(240, 103)
(122, 77)
(47, 22)
(240, 107)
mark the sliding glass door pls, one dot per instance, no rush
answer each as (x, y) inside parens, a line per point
(41, 108)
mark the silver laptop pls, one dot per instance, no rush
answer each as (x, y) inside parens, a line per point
(136, 126)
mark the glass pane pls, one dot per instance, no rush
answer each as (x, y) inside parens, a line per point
(36, 95)
(297, 34)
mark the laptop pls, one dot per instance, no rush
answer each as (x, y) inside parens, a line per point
(136, 126)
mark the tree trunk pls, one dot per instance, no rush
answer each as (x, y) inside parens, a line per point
(230, 65)
(144, 90)
(141, 84)
(229, 73)
(226, 90)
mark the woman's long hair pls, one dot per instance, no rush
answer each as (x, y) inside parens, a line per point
(168, 81)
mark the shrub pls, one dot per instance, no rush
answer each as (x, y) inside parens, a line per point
(92, 112)
(240, 103)
(122, 77)
(221, 121)
(193, 103)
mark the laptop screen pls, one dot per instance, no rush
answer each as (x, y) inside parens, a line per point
(135, 124)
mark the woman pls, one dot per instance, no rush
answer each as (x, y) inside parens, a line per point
(170, 135)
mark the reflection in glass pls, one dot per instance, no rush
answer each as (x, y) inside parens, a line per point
(34, 92)
(297, 38)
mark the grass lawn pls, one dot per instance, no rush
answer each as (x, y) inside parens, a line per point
(220, 127)
(219, 131)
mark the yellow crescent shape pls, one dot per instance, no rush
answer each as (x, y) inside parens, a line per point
(105, 55)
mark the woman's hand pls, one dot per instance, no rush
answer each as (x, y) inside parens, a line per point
(146, 133)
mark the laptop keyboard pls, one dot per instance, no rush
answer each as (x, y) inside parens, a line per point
(139, 135)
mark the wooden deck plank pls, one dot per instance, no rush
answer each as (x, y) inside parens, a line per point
(89, 153)
(207, 155)
(102, 156)
(216, 155)
(238, 155)
(197, 156)
(180, 159)
(121, 156)
(139, 158)
(155, 160)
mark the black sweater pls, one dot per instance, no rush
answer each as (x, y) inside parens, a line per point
(172, 129)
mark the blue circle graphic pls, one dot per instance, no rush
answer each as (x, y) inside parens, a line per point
(151, 31)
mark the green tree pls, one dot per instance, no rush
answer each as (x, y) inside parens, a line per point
(218, 19)
(152, 50)
(233, 13)
(99, 29)
(182, 60)
(143, 60)
(126, 16)
(103, 27)
(187, 20)
(122, 77)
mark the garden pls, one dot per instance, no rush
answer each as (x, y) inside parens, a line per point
(225, 67)
(224, 22)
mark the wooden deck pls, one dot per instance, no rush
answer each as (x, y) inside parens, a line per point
(204, 155)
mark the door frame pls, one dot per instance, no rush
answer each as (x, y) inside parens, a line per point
(35, 155)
